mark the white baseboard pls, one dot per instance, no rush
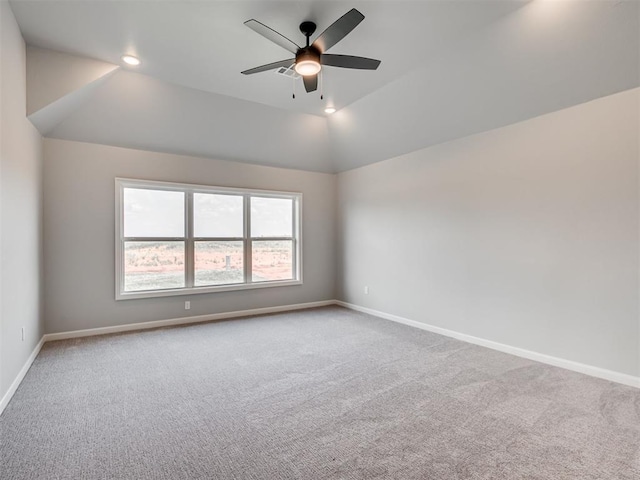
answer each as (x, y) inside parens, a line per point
(617, 377)
(539, 357)
(90, 332)
(144, 326)
(16, 383)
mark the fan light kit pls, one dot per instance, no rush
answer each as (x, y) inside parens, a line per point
(131, 60)
(307, 67)
(309, 59)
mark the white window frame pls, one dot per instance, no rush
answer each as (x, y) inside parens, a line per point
(189, 239)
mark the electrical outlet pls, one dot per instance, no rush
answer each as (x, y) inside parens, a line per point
(366, 290)
(187, 305)
(22, 333)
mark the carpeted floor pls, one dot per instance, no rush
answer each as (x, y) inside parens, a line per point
(317, 394)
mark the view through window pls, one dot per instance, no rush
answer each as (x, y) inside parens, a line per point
(182, 239)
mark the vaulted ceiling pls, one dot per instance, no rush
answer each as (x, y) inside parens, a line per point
(449, 69)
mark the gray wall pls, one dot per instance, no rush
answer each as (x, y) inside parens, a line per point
(79, 233)
(20, 210)
(526, 235)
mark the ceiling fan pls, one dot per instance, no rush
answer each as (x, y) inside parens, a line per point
(309, 59)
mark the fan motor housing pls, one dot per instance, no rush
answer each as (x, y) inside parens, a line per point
(308, 53)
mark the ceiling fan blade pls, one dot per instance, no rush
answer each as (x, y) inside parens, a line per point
(270, 34)
(338, 30)
(310, 83)
(349, 61)
(270, 66)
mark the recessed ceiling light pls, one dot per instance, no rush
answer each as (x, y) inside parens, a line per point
(131, 60)
(329, 110)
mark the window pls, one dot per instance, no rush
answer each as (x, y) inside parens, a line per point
(178, 239)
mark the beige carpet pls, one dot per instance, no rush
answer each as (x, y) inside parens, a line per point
(317, 394)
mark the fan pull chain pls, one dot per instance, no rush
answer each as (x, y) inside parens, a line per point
(293, 86)
(321, 85)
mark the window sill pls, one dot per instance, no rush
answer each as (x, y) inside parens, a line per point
(199, 290)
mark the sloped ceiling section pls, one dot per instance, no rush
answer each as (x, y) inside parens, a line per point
(77, 98)
(137, 111)
(540, 57)
(53, 75)
(204, 44)
(57, 84)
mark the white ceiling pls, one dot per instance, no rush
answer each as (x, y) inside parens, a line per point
(449, 68)
(205, 45)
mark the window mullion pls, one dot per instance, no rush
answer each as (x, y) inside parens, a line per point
(272, 239)
(153, 239)
(247, 240)
(120, 239)
(189, 243)
(294, 246)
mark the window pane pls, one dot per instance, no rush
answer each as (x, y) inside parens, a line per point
(272, 260)
(217, 215)
(153, 213)
(271, 217)
(153, 265)
(219, 263)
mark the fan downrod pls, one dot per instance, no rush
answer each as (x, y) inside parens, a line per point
(307, 29)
